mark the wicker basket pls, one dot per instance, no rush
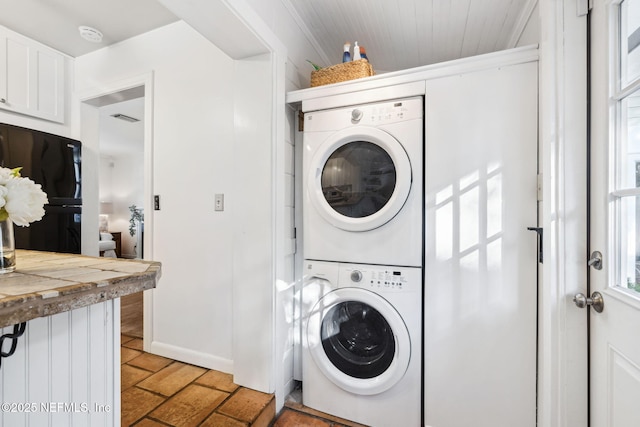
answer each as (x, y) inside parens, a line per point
(341, 72)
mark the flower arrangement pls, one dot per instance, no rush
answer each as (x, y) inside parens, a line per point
(21, 200)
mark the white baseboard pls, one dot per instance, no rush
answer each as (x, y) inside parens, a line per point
(192, 357)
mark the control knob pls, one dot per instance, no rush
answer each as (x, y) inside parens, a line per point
(356, 275)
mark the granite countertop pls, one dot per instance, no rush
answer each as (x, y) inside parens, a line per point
(46, 283)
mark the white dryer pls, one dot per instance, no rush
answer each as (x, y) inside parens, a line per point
(361, 343)
(362, 180)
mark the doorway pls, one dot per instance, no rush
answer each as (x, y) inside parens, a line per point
(117, 124)
(121, 190)
(121, 186)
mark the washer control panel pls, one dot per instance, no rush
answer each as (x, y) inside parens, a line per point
(380, 278)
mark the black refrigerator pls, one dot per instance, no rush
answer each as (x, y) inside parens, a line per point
(55, 163)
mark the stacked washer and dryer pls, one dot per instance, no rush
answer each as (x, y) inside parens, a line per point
(363, 250)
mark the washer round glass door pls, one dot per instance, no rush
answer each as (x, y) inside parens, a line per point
(358, 341)
(359, 178)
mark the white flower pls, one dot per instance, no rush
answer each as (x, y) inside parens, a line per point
(21, 199)
(8, 174)
(3, 195)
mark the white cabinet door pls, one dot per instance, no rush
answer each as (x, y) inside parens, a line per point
(48, 97)
(31, 77)
(16, 64)
(480, 287)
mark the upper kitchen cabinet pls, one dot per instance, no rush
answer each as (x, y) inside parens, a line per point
(31, 77)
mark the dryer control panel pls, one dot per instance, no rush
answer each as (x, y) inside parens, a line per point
(374, 114)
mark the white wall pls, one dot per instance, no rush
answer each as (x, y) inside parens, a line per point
(282, 21)
(192, 148)
(254, 228)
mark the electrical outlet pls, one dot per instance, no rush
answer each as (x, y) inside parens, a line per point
(156, 203)
(219, 202)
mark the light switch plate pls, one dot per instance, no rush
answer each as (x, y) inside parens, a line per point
(219, 202)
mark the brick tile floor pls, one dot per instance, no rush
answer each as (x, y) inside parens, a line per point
(157, 391)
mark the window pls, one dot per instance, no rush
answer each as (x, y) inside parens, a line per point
(626, 192)
(629, 41)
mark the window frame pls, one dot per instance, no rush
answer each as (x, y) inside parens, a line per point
(621, 89)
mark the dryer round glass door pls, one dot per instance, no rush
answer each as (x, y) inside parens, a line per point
(358, 341)
(359, 178)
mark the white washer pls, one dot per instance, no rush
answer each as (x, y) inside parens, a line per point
(362, 180)
(361, 343)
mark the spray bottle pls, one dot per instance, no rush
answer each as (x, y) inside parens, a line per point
(356, 52)
(346, 56)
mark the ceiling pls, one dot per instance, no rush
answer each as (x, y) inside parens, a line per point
(397, 34)
(403, 34)
(120, 137)
(55, 22)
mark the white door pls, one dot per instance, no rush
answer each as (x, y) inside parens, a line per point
(615, 213)
(480, 291)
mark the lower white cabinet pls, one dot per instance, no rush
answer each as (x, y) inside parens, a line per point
(65, 370)
(31, 77)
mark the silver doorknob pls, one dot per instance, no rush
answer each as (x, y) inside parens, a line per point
(596, 301)
(3, 101)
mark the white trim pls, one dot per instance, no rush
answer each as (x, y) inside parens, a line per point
(116, 355)
(281, 384)
(626, 192)
(189, 356)
(562, 362)
(628, 90)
